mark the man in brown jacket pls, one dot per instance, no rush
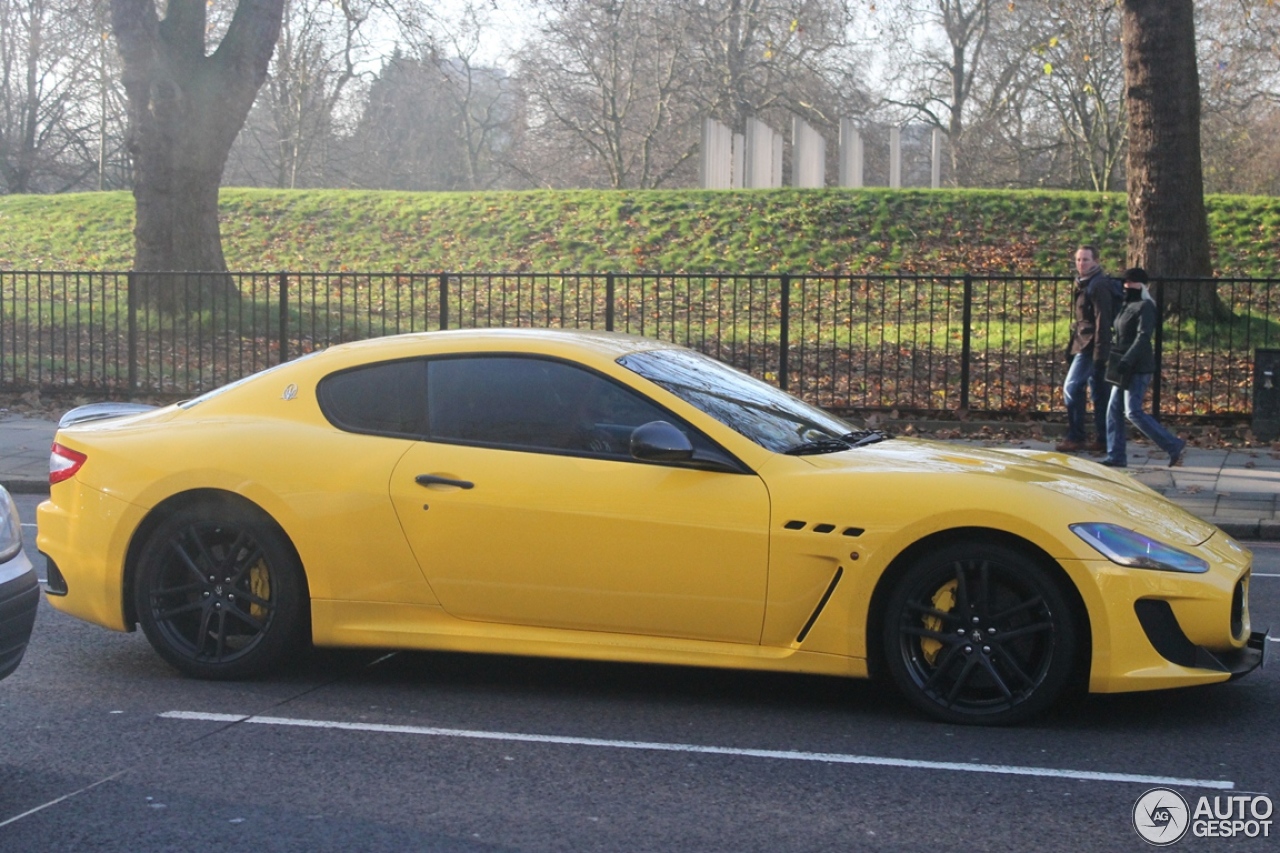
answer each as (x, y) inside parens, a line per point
(1087, 353)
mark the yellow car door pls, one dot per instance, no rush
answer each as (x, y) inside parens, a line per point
(524, 506)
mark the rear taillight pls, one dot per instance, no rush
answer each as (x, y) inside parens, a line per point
(64, 463)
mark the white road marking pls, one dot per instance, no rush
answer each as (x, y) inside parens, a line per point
(788, 755)
(27, 524)
(39, 808)
(1265, 575)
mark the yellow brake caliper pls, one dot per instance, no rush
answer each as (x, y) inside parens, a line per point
(260, 586)
(944, 600)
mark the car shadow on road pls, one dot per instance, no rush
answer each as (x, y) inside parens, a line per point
(556, 680)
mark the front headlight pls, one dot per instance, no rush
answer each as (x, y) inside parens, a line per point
(10, 527)
(1129, 548)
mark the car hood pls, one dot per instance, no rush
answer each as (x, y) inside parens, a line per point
(1107, 495)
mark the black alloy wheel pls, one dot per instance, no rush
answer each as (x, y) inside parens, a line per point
(219, 594)
(979, 634)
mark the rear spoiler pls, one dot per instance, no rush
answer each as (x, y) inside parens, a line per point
(102, 411)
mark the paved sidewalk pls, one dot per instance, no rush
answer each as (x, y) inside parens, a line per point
(1237, 489)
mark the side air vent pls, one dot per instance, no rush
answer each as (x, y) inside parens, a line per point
(817, 611)
(824, 527)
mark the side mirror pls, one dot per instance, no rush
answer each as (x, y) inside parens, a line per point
(659, 441)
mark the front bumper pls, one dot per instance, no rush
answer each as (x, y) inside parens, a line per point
(1167, 637)
(19, 599)
(1154, 630)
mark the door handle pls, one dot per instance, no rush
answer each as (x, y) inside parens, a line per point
(429, 480)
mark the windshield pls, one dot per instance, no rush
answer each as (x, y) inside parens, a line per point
(771, 418)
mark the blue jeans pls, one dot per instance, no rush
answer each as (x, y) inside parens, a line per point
(1083, 371)
(1127, 403)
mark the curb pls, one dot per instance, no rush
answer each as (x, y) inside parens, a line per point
(26, 486)
(1262, 530)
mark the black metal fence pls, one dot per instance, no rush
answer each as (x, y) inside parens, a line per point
(922, 343)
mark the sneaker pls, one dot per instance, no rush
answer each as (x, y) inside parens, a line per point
(1069, 446)
(1175, 458)
(1113, 463)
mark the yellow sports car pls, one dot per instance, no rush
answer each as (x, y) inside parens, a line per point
(591, 495)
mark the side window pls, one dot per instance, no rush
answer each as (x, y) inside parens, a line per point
(383, 399)
(533, 403)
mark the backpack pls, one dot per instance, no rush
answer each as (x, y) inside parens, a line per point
(1117, 294)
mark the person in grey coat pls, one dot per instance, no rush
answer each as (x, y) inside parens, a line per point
(1135, 325)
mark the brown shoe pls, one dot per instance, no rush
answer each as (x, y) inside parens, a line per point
(1096, 447)
(1069, 446)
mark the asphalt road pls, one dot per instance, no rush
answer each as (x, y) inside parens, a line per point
(103, 747)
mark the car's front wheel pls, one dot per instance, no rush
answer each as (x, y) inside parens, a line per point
(979, 633)
(220, 594)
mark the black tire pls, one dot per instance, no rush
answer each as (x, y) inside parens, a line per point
(979, 634)
(220, 594)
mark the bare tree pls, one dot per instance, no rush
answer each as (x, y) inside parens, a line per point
(45, 55)
(1082, 87)
(290, 132)
(185, 109)
(1168, 226)
(604, 87)
(767, 58)
(481, 96)
(1239, 50)
(941, 50)
(433, 124)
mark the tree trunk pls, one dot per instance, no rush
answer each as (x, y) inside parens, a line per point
(1168, 228)
(185, 109)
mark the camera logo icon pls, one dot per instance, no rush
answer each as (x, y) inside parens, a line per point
(1161, 816)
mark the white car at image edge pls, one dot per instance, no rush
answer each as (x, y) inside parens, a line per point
(19, 588)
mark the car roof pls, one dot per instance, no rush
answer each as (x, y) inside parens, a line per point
(608, 345)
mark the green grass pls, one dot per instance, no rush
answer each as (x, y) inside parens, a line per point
(748, 231)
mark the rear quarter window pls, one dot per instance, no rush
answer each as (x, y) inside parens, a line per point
(389, 398)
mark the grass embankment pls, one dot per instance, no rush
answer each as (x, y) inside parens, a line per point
(830, 231)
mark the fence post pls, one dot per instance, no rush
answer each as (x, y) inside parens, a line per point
(131, 299)
(444, 301)
(966, 340)
(784, 334)
(610, 291)
(284, 317)
(1158, 346)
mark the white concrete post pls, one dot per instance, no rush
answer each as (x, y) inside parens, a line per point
(775, 173)
(738, 178)
(850, 154)
(717, 155)
(760, 160)
(808, 155)
(895, 158)
(935, 173)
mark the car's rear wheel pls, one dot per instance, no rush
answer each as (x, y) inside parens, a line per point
(978, 633)
(220, 594)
